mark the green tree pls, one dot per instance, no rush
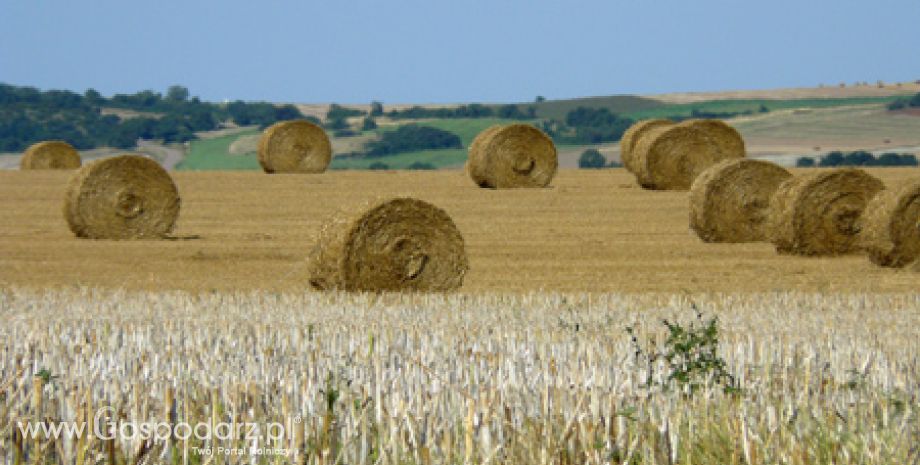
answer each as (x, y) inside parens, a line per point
(336, 124)
(376, 108)
(832, 159)
(368, 124)
(177, 93)
(93, 97)
(592, 159)
(805, 162)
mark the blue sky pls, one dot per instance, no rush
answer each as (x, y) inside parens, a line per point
(452, 51)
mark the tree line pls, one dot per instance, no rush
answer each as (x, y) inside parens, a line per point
(858, 158)
(906, 102)
(29, 115)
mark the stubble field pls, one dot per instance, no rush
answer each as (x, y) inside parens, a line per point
(589, 232)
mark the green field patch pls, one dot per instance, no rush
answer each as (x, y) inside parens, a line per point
(465, 128)
(617, 104)
(685, 110)
(447, 158)
(214, 154)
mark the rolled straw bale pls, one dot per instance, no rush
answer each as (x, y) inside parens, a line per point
(727, 138)
(631, 138)
(671, 157)
(818, 214)
(400, 244)
(296, 146)
(123, 197)
(730, 201)
(890, 226)
(50, 155)
(515, 155)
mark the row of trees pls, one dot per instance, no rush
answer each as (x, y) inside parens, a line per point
(473, 110)
(587, 125)
(28, 115)
(411, 138)
(902, 103)
(859, 158)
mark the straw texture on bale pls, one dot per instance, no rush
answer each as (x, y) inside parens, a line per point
(818, 214)
(123, 197)
(631, 138)
(516, 155)
(401, 244)
(730, 201)
(50, 155)
(670, 157)
(891, 226)
(296, 146)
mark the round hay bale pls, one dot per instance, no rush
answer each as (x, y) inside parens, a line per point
(730, 201)
(671, 157)
(631, 138)
(50, 155)
(727, 138)
(516, 155)
(401, 244)
(296, 146)
(123, 197)
(891, 226)
(818, 214)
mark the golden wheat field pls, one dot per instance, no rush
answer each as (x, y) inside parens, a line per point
(591, 231)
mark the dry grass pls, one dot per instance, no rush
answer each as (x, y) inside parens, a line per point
(516, 379)
(591, 231)
(832, 90)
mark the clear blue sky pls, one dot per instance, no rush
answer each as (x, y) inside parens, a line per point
(452, 51)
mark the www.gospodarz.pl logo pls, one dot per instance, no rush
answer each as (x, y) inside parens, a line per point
(105, 428)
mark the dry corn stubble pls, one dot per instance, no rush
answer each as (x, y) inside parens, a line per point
(50, 155)
(818, 214)
(730, 201)
(296, 146)
(891, 226)
(400, 244)
(516, 155)
(123, 197)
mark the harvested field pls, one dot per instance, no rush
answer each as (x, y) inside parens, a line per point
(515, 379)
(590, 231)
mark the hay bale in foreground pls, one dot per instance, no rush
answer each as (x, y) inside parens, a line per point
(671, 157)
(50, 155)
(296, 146)
(730, 201)
(891, 226)
(123, 197)
(401, 244)
(516, 155)
(631, 138)
(818, 214)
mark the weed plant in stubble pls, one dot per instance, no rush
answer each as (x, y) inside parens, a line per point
(689, 357)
